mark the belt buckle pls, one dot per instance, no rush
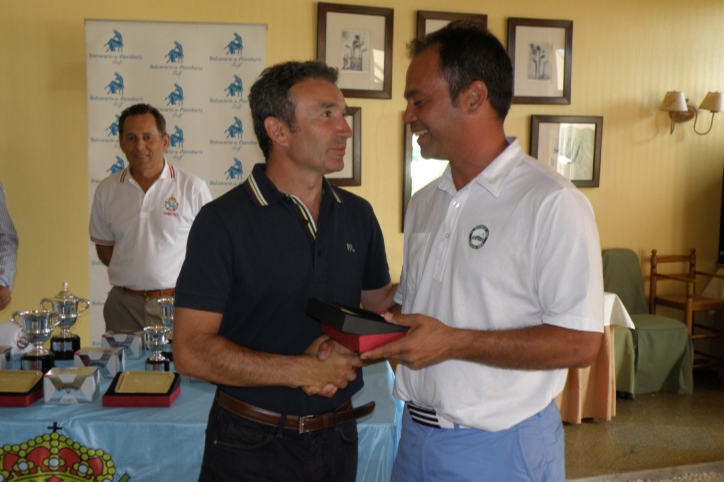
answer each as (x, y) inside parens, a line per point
(303, 420)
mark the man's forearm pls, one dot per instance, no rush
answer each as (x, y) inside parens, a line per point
(218, 360)
(201, 352)
(105, 253)
(379, 300)
(540, 347)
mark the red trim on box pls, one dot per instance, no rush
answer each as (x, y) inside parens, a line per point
(23, 400)
(110, 400)
(361, 343)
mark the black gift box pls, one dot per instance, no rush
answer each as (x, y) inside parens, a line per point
(358, 329)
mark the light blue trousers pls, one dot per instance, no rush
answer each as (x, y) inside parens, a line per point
(532, 450)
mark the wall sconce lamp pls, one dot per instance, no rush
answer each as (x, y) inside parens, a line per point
(679, 111)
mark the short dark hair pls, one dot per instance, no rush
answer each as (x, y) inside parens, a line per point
(142, 109)
(269, 96)
(469, 52)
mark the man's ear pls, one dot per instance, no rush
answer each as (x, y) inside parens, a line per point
(276, 130)
(475, 96)
(166, 142)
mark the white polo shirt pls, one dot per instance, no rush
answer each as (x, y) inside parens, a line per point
(13, 336)
(518, 246)
(148, 231)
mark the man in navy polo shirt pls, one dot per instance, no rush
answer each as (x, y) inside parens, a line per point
(255, 256)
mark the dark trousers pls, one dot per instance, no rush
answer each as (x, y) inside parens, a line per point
(238, 449)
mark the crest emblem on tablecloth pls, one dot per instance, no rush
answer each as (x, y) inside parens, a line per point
(55, 457)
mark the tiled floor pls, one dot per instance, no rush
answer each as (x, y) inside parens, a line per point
(653, 431)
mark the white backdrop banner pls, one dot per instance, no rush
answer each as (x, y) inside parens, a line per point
(197, 75)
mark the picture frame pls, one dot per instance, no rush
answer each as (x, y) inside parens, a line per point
(417, 172)
(351, 175)
(569, 144)
(541, 52)
(357, 41)
(429, 21)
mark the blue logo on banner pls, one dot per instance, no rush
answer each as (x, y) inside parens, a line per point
(113, 128)
(116, 85)
(235, 88)
(176, 96)
(119, 165)
(236, 46)
(176, 54)
(115, 44)
(112, 51)
(177, 138)
(235, 129)
(235, 171)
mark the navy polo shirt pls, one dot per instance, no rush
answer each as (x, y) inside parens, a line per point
(253, 255)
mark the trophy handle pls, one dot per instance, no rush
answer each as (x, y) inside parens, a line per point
(15, 315)
(46, 300)
(58, 319)
(84, 302)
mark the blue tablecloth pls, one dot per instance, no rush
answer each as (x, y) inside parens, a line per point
(155, 444)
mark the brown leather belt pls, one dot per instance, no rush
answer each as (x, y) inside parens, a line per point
(150, 293)
(309, 423)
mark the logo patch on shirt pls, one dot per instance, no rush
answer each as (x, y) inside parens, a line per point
(478, 236)
(22, 343)
(171, 204)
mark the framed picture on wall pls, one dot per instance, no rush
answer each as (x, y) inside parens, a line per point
(428, 21)
(417, 172)
(541, 52)
(351, 175)
(569, 144)
(358, 41)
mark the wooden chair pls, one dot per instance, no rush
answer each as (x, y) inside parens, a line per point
(688, 301)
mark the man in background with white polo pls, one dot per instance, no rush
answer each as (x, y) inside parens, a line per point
(140, 220)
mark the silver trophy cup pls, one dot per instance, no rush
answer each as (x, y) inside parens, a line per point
(69, 308)
(37, 325)
(155, 338)
(167, 319)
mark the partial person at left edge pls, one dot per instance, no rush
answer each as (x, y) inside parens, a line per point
(141, 219)
(8, 252)
(10, 334)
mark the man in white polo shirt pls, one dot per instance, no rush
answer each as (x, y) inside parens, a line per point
(140, 221)
(502, 272)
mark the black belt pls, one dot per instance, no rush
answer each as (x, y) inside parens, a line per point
(308, 423)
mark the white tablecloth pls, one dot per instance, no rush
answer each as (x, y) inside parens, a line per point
(614, 312)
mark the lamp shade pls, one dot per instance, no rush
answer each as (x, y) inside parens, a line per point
(674, 101)
(714, 101)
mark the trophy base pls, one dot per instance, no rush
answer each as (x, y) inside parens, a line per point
(37, 362)
(167, 354)
(64, 347)
(157, 365)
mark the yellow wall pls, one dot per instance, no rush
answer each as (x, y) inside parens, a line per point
(657, 190)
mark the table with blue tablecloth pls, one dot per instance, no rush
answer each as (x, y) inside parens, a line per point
(144, 444)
